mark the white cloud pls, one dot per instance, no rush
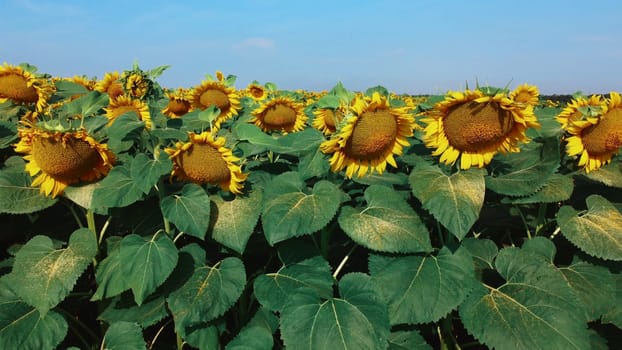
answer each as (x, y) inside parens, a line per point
(255, 43)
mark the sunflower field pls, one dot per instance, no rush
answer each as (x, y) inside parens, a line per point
(136, 216)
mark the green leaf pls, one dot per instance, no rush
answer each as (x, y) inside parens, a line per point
(534, 309)
(407, 340)
(289, 209)
(356, 320)
(16, 194)
(110, 277)
(610, 175)
(124, 131)
(118, 189)
(82, 195)
(524, 173)
(87, 105)
(313, 164)
(235, 220)
(124, 309)
(43, 276)
(189, 210)
(147, 171)
(550, 127)
(124, 336)
(293, 143)
(455, 201)
(273, 289)
(594, 285)
(614, 314)
(483, 252)
(422, 289)
(23, 327)
(203, 337)
(8, 133)
(556, 189)
(597, 232)
(65, 89)
(208, 294)
(252, 338)
(147, 262)
(387, 224)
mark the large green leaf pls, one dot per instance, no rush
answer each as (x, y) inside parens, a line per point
(556, 189)
(534, 309)
(483, 252)
(16, 194)
(43, 276)
(8, 133)
(293, 143)
(124, 131)
(147, 171)
(356, 320)
(313, 164)
(597, 232)
(455, 201)
(118, 189)
(23, 327)
(124, 309)
(124, 336)
(407, 340)
(422, 289)
(272, 289)
(208, 294)
(147, 262)
(203, 337)
(290, 210)
(188, 210)
(110, 277)
(610, 175)
(252, 338)
(524, 173)
(387, 224)
(235, 220)
(614, 314)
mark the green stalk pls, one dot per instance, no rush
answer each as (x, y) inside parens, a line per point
(446, 334)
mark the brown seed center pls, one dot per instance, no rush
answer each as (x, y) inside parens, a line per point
(178, 107)
(204, 164)
(474, 127)
(606, 136)
(70, 161)
(15, 88)
(332, 118)
(214, 97)
(279, 116)
(115, 90)
(374, 134)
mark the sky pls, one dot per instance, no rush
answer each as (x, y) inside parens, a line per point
(410, 46)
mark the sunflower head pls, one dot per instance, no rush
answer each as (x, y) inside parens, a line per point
(280, 114)
(124, 104)
(212, 92)
(581, 110)
(597, 137)
(111, 84)
(255, 91)
(525, 95)
(61, 158)
(370, 136)
(474, 126)
(21, 86)
(178, 103)
(204, 159)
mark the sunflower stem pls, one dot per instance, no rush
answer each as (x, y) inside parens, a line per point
(446, 335)
(180, 341)
(541, 217)
(90, 222)
(325, 243)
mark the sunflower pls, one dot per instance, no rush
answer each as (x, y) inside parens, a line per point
(327, 119)
(282, 114)
(178, 103)
(216, 93)
(22, 87)
(475, 126)
(59, 159)
(597, 138)
(111, 84)
(579, 108)
(256, 91)
(370, 137)
(205, 159)
(124, 104)
(137, 85)
(526, 94)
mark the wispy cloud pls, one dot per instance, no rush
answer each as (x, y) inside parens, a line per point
(255, 43)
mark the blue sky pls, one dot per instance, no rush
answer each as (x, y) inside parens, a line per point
(416, 47)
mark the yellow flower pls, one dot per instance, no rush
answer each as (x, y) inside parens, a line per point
(22, 87)
(474, 127)
(111, 84)
(178, 103)
(526, 95)
(573, 112)
(597, 138)
(205, 159)
(59, 159)
(282, 114)
(370, 137)
(136, 85)
(216, 93)
(327, 119)
(124, 104)
(256, 91)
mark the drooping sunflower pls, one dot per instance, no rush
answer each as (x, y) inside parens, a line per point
(23, 87)
(256, 91)
(60, 159)
(136, 84)
(283, 114)
(473, 126)
(370, 137)
(327, 119)
(205, 160)
(124, 104)
(216, 93)
(111, 84)
(580, 108)
(598, 137)
(178, 103)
